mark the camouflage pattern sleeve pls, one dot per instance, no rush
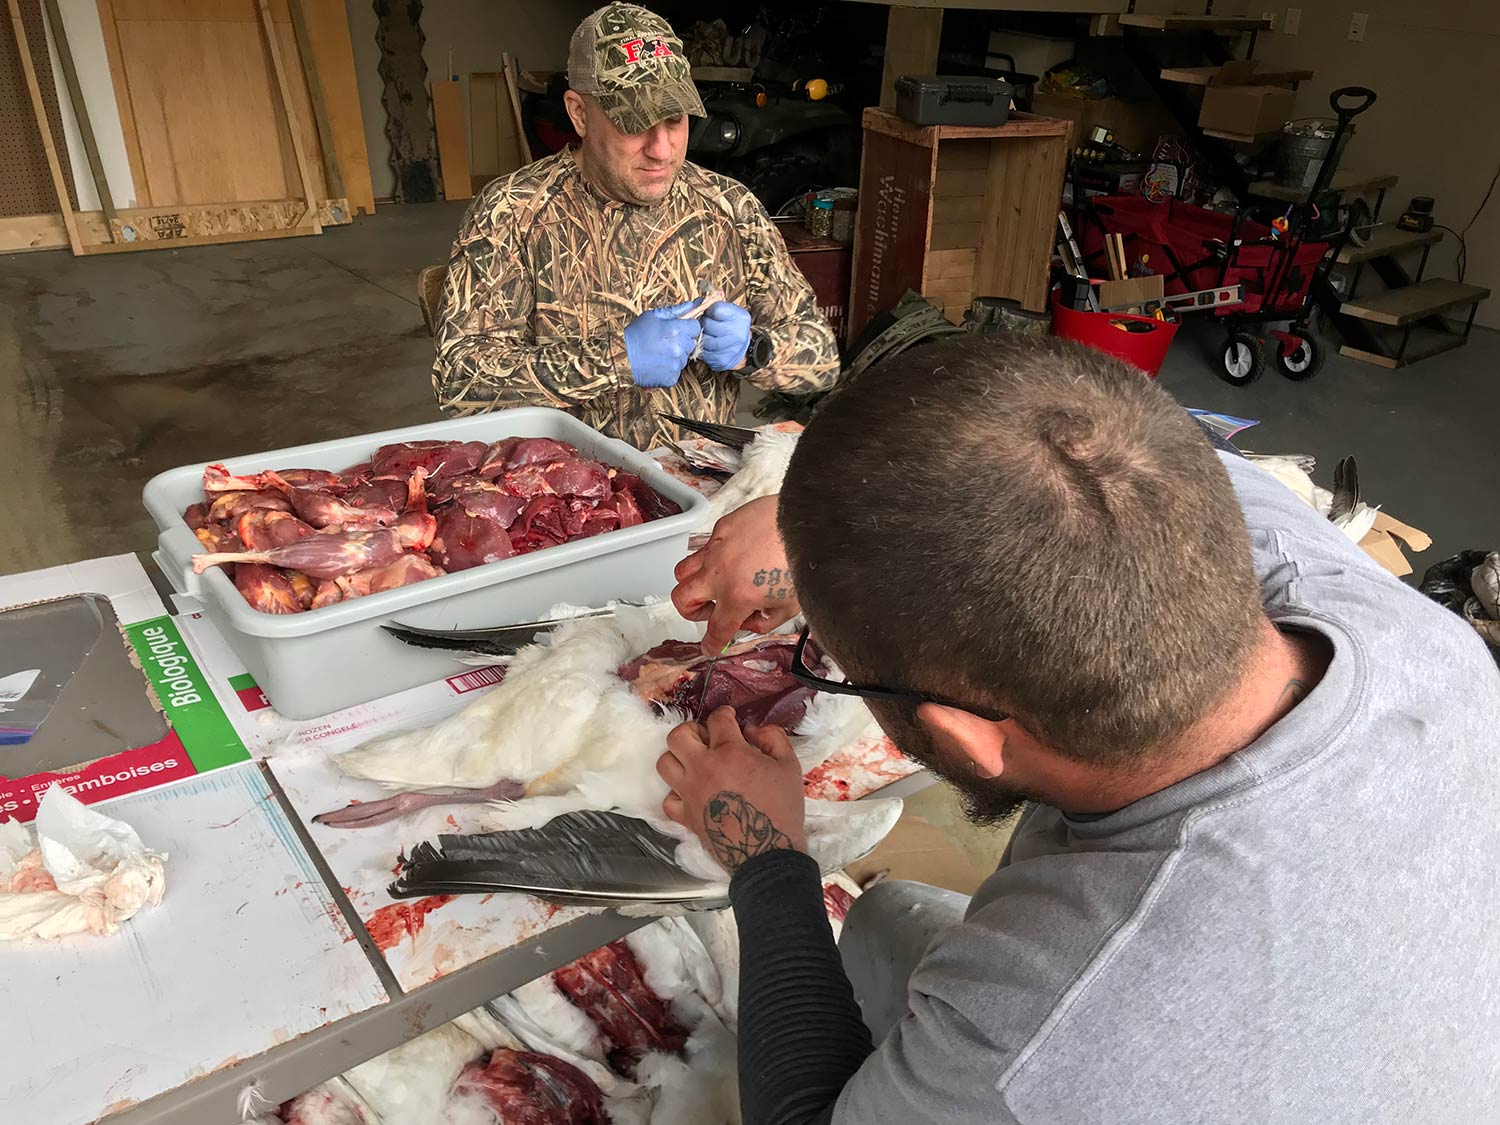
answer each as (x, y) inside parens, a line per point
(805, 354)
(488, 356)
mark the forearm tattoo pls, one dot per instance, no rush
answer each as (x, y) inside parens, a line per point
(737, 830)
(777, 584)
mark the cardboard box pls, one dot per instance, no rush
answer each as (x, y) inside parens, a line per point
(1383, 543)
(1131, 294)
(916, 850)
(1246, 111)
(1136, 125)
(106, 697)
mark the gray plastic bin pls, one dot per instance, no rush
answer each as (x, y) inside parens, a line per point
(312, 663)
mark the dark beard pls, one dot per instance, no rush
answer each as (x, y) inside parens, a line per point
(986, 801)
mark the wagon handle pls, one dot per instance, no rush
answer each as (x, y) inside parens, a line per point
(1347, 113)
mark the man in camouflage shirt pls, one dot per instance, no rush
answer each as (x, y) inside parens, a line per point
(577, 281)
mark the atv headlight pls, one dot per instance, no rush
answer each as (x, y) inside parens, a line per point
(729, 132)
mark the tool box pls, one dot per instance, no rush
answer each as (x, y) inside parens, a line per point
(326, 659)
(936, 99)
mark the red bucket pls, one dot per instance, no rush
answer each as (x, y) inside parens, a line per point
(1146, 350)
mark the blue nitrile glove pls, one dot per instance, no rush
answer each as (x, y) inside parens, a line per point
(658, 344)
(726, 336)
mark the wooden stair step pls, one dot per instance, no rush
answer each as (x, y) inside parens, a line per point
(1413, 302)
(1202, 75)
(1350, 182)
(1385, 241)
(1194, 23)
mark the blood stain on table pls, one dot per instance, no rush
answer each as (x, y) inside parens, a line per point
(391, 925)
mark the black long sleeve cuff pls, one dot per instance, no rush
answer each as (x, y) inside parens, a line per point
(801, 1037)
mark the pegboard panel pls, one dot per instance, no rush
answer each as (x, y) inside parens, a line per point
(25, 183)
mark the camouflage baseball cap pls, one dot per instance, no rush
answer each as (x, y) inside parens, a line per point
(628, 60)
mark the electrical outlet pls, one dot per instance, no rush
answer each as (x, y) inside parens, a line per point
(1357, 27)
(1270, 18)
(1293, 22)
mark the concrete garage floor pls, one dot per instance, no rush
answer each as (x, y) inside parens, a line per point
(115, 368)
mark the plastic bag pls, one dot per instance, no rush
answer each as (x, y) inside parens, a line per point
(84, 872)
(1450, 582)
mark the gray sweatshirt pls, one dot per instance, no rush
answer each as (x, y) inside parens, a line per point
(1306, 932)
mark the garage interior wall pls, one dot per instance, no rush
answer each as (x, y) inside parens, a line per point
(1432, 65)
(536, 32)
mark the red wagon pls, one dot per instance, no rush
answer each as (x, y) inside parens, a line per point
(1193, 248)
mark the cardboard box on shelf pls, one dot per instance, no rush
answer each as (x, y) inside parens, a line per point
(1246, 111)
(1136, 125)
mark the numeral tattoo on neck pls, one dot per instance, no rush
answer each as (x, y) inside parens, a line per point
(1294, 692)
(738, 831)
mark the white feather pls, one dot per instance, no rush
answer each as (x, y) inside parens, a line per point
(488, 1031)
(720, 936)
(409, 1084)
(525, 728)
(832, 723)
(250, 1101)
(674, 961)
(547, 1021)
(700, 1088)
(766, 461)
(469, 1108)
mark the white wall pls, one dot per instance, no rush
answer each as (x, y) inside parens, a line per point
(536, 32)
(1433, 66)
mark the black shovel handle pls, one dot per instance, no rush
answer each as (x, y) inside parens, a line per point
(1348, 113)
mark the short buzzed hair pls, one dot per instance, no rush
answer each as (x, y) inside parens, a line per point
(1025, 524)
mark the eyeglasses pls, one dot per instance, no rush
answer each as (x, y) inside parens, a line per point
(805, 676)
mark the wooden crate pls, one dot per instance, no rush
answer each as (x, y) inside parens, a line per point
(825, 263)
(956, 212)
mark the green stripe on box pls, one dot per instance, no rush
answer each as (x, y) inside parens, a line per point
(242, 681)
(183, 690)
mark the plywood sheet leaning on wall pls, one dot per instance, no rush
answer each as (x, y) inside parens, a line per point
(224, 137)
(495, 149)
(26, 186)
(453, 146)
(333, 57)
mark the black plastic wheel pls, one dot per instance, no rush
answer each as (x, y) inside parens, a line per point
(1305, 360)
(1242, 360)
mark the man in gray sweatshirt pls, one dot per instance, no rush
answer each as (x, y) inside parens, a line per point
(1257, 877)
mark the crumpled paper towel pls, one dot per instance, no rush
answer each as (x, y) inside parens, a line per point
(83, 872)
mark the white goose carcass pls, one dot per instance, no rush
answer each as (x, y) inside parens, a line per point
(566, 749)
(628, 1034)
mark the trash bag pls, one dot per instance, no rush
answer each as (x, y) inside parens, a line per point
(1449, 583)
(1486, 583)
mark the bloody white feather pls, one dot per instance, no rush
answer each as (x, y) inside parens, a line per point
(334, 1102)
(547, 1021)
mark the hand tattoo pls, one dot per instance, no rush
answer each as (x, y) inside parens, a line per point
(738, 831)
(778, 584)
